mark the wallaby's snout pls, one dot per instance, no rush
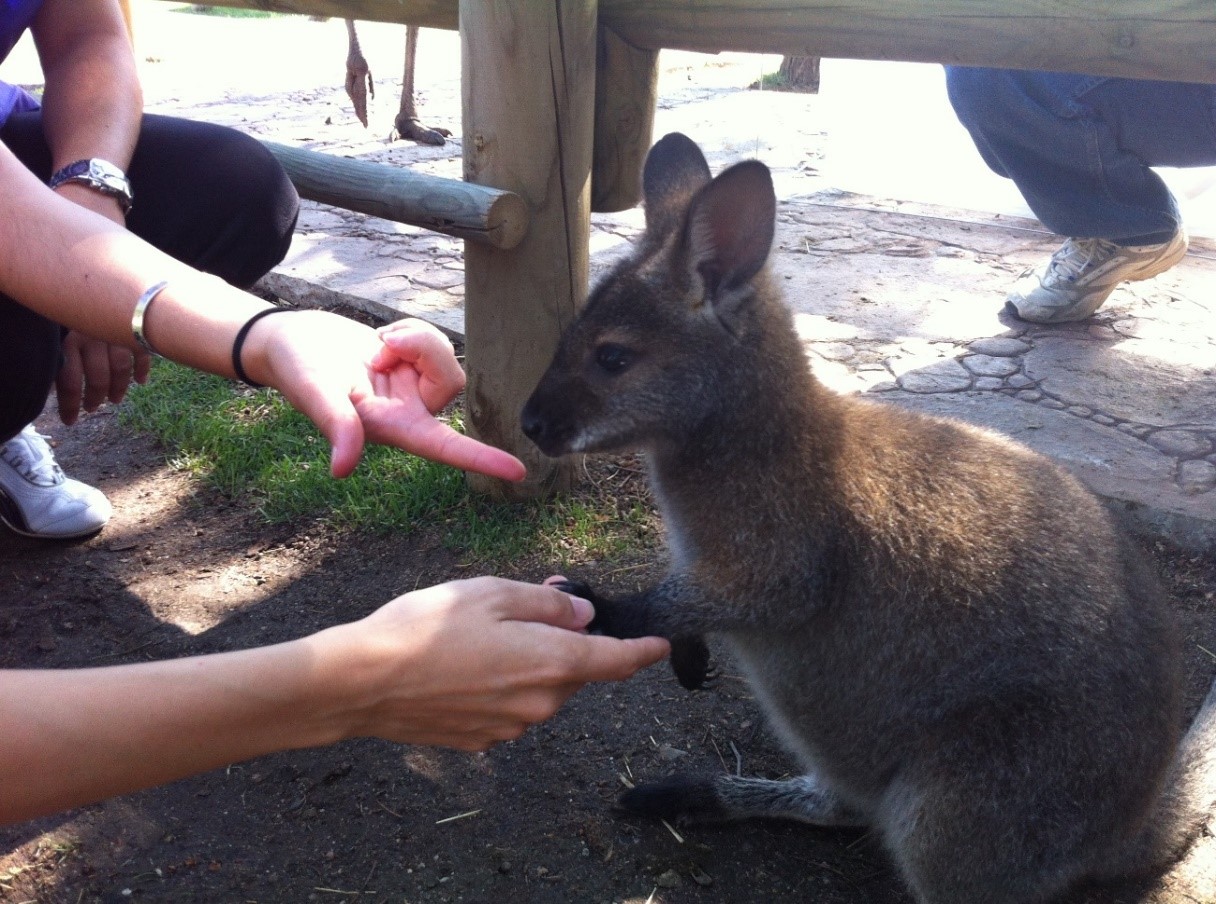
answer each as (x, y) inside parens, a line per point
(536, 427)
(582, 402)
(546, 420)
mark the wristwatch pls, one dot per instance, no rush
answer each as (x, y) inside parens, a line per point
(99, 175)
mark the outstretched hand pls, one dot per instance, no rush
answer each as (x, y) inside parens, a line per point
(471, 663)
(361, 385)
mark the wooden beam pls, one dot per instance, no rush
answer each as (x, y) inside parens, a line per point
(528, 81)
(1160, 39)
(626, 93)
(474, 212)
(426, 13)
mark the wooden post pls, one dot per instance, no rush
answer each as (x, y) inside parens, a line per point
(528, 81)
(450, 206)
(626, 91)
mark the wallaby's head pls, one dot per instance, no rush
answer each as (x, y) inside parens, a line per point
(657, 346)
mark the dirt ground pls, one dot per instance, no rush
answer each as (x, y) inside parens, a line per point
(182, 570)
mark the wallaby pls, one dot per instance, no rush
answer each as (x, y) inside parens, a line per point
(946, 629)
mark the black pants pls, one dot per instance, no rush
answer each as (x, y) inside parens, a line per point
(207, 195)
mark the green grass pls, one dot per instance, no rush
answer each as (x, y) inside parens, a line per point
(772, 81)
(252, 443)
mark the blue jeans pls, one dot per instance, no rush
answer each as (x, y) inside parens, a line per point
(1080, 147)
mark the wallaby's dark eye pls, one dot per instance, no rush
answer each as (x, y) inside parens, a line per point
(613, 358)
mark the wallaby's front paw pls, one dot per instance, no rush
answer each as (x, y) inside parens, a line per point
(676, 799)
(690, 662)
(599, 624)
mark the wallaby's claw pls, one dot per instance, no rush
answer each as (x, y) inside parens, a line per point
(690, 662)
(576, 588)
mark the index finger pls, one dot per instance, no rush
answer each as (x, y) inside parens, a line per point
(439, 442)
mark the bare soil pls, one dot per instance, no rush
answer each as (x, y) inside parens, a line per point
(182, 570)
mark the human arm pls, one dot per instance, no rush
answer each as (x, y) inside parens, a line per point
(92, 102)
(85, 272)
(91, 107)
(464, 665)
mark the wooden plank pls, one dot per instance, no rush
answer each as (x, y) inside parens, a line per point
(1162, 39)
(626, 92)
(426, 13)
(461, 209)
(528, 79)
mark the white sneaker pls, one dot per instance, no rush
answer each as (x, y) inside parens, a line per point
(1082, 274)
(37, 500)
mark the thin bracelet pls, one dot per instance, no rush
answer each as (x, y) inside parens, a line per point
(141, 311)
(239, 343)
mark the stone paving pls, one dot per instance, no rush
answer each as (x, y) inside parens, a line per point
(895, 245)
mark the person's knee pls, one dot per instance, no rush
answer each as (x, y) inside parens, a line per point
(212, 197)
(260, 179)
(974, 93)
(270, 204)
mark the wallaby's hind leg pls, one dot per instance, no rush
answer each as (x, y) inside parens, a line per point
(955, 845)
(727, 798)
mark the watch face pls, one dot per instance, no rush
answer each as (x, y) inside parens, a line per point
(105, 172)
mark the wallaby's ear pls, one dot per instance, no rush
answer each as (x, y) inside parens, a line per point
(730, 227)
(675, 169)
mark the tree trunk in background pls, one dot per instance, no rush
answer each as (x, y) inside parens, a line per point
(800, 73)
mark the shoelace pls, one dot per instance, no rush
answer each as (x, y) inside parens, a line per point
(1070, 262)
(39, 466)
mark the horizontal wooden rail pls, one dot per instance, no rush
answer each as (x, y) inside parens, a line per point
(1159, 39)
(427, 13)
(460, 209)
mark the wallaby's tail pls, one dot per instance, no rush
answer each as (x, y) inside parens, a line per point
(1189, 799)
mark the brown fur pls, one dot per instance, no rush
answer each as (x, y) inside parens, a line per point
(946, 629)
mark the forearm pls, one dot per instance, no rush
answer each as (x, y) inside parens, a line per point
(92, 102)
(92, 105)
(73, 737)
(80, 270)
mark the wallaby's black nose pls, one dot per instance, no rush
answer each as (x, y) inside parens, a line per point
(532, 423)
(541, 427)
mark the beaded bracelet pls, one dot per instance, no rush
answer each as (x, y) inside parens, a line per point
(141, 310)
(239, 343)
